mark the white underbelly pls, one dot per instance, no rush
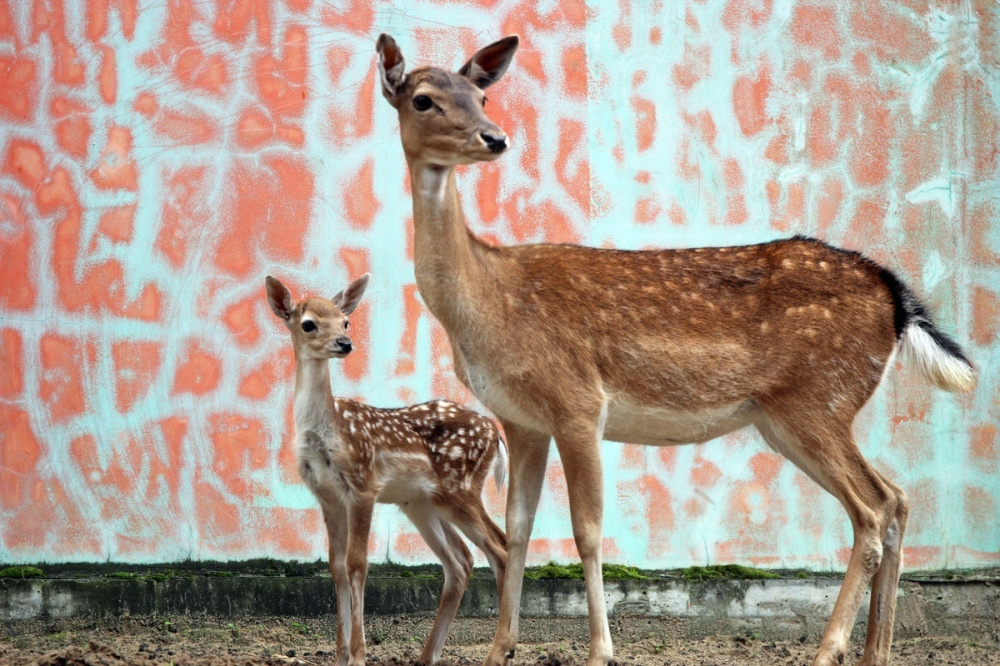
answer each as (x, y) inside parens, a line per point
(660, 426)
(499, 401)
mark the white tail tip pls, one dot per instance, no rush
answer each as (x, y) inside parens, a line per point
(500, 463)
(937, 364)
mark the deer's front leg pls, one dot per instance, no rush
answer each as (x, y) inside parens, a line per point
(578, 443)
(359, 515)
(529, 452)
(335, 517)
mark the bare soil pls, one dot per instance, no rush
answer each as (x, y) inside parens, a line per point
(396, 641)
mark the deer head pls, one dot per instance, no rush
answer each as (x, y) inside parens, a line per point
(318, 326)
(441, 114)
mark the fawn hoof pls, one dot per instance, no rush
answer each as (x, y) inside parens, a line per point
(499, 657)
(829, 658)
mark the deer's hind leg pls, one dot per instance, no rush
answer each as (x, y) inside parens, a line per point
(878, 644)
(475, 523)
(456, 560)
(821, 445)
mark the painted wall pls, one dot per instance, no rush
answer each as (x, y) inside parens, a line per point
(157, 159)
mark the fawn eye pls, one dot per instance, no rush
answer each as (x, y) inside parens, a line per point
(484, 101)
(347, 325)
(308, 326)
(422, 102)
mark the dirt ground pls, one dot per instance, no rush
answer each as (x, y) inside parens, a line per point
(396, 641)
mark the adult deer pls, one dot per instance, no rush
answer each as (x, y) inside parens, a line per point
(657, 347)
(430, 459)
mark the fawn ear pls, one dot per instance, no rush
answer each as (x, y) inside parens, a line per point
(347, 300)
(488, 65)
(390, 67)
(279, 297)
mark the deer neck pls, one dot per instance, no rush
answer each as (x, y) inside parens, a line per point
(447, 257)
(312, 406)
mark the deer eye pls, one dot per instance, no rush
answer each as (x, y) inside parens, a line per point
(484, 101)
(422, 102)
(308, 326)
(347, 325)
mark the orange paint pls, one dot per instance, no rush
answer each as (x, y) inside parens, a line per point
(19, 453)
(750, 101)
(816, 28)
(279, 189)
(233, 18)
(239, 445)
(186, 128)
(11, 373)
(572, 168)
(199, 371)
(116, 168)
(985, 316)
(17, 273)
(25, 161)
(260, 381)
(64, 361)
(360, 203)
(18, 92)
(72, 126)
(117, 223)
(356, 17)
(574, 67)
(108, 78)
(357, 262)
(239, 319)
(136, 366)
(645, 113)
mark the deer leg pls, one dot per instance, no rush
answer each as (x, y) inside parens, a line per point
(529, 452)
(457, 563)
(882, 611)
(579, 448)
(831, 458)
(359, 516)
(476, 524)
(335, 518)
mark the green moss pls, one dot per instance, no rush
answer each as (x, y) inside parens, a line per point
(622, 572)
(553, 571)
(408, 573)
(122, 574)
(219, 574)
(726, 571)
(21, 572)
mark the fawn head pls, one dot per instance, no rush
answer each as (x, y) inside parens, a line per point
(318, 326)
(441, 114)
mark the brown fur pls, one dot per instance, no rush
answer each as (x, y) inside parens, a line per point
(657, 347)
(431, 459)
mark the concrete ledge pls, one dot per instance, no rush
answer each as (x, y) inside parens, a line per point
(777, 608)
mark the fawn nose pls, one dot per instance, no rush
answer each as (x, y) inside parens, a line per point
(344, 344)
(497, 143)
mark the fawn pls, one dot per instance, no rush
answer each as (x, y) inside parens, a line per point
(430, 459)
(657, 347)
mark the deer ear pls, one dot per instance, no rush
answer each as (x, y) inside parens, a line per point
(347, 300)
(279, 298)
(488, 65)
(390, 67)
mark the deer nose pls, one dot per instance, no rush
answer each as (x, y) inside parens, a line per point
(344, 343)
(497, 143)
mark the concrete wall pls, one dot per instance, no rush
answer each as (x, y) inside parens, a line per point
(157, 159)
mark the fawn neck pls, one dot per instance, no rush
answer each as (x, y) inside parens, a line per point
(448, 258)
(312, 392)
